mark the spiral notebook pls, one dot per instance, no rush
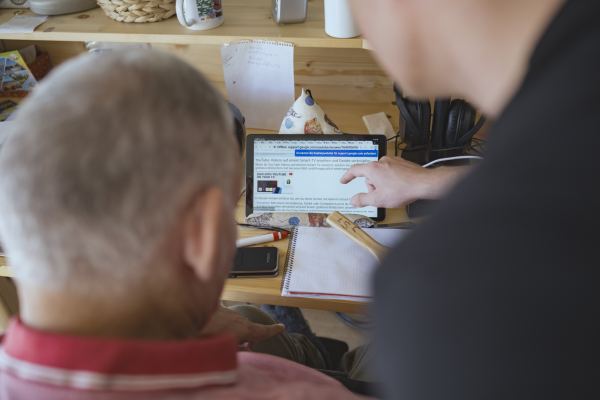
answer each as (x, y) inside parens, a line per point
(324, 263)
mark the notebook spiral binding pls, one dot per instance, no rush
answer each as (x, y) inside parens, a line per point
(262, 41)
(289, 261)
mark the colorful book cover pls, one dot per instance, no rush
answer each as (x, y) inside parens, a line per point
(7, 107)
(16, 78)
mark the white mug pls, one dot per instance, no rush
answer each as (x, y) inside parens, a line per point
(199, 15)
(339, 22)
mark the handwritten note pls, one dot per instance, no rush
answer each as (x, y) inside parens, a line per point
(259, 77)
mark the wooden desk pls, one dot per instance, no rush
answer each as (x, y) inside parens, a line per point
(268, 290)
(4, 269)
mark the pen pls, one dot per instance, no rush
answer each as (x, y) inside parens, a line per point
(271, 237)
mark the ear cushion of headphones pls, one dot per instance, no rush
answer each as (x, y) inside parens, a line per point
(420, 111)
(461, 119)
(440, 123)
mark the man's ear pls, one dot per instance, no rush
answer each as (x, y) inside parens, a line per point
(202, 230)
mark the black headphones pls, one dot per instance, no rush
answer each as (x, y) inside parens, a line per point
(449, 134)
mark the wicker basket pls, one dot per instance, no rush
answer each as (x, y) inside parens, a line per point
(138, 10)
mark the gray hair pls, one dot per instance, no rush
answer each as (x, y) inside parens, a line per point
(104, 156)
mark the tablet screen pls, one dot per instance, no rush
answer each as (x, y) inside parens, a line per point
(304, 175)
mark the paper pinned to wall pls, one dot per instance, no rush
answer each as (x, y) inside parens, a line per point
(259, 77)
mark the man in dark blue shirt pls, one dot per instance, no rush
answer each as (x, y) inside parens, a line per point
(496, 295)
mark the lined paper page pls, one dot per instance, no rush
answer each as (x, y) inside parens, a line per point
(325, 263)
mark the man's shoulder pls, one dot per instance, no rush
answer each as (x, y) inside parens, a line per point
(280, 370)
(284, 379)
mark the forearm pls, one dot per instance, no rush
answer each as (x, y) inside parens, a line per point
(395, 182)
(440, 180)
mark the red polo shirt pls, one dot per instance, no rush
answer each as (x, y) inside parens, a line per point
(39, 365)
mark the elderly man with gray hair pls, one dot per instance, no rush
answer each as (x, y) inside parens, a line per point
(116, 211)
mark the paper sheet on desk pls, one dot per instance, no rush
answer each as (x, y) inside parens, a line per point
(22, 23)
(259, 77)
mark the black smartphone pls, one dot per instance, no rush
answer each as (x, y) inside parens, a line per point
(255, 261)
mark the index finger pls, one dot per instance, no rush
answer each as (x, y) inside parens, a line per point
(355, 171)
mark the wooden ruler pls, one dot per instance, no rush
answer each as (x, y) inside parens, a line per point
(355, 233)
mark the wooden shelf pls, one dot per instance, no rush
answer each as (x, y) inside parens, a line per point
(244, 19)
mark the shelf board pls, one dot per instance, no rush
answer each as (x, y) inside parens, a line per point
(244, 19)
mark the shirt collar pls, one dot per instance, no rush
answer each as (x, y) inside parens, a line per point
(119, 364)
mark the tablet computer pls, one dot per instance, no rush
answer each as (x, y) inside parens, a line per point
(301, 173)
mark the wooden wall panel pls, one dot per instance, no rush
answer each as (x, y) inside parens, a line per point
(59, 51)
(346, 82)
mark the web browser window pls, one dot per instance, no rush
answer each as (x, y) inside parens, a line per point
(304, 176)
